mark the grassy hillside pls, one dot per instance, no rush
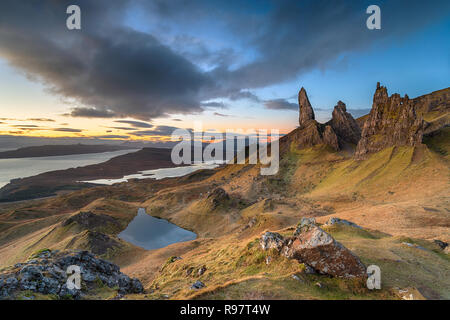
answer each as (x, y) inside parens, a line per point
(397, 195)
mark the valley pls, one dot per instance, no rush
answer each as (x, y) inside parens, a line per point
(396, 190)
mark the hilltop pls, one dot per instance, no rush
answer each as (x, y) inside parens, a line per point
(384, 175)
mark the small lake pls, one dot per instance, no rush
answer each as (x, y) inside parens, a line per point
(26, 167)
(149, 232)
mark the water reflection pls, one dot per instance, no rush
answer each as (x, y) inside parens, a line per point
(152, 233)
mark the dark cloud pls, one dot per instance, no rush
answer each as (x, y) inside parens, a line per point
(156, 131)
(92, 113)
(112, 136)
(136, 124)
(25, 126)
(123, 128)
(214, 104)
(67, 130)
(239, 95)
(41, 119)
(221, 114)
(109, 68)
(113, 71)
(280, 104)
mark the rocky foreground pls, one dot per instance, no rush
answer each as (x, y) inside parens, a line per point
(318, 250)
(45, 273)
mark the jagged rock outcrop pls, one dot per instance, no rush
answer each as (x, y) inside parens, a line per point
(217, 197)
(341, 129)
(310, 132)
(344, 125)
(393, 121)
(45, 273)
(306, 110)
(317, 249)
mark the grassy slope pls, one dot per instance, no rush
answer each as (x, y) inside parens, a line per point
(406, 186)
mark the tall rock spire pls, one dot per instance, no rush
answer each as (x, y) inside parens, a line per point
(306, 111)
(392, 122)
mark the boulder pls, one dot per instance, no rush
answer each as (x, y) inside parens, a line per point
(321, 251)
(317, 249)
(441, 244)
(197, 285)
(333, 221)
(271, 240)
(201, 271)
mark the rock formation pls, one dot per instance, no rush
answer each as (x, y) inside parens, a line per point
(341, 129)
(310, 132)
(392, 122)
(345, 126)
(316, 249)
(306, 110)
(45, 273)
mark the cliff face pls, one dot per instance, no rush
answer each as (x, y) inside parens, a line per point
(345, 126)
(393, 121)
(435, 109)
(437, 101)
(306, 110)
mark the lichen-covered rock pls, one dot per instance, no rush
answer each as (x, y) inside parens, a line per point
(304, 224)
(271, 240)
(321, 251)
(46, 274)
(317, 250)
(334, 220)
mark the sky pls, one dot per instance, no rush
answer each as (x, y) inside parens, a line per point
(138, 69)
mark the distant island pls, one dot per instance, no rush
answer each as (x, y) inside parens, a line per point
(59, 150)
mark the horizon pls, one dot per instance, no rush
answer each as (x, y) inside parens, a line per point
(198, 66)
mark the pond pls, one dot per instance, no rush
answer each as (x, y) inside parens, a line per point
(149, 232)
